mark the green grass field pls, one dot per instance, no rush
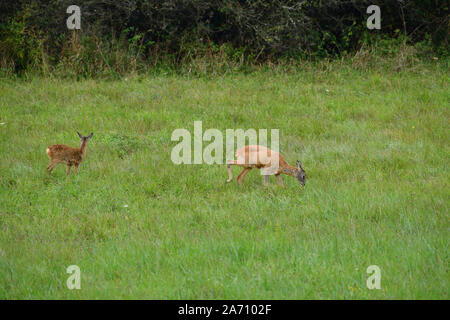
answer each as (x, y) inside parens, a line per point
(375, 146)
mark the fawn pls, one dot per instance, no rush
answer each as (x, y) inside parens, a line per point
(68, 155)
(260, 157)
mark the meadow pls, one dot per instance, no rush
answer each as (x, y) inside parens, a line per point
(374, 144)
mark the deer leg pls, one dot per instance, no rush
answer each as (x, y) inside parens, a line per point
(230, 173)
(266, 180)
(280, 182)
(242, 175)
(75, 167)
(51, 166)
(68, 169)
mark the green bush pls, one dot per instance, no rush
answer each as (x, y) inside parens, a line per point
(20, 46)
(198, 36)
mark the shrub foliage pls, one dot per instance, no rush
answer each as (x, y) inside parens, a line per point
(122, 35)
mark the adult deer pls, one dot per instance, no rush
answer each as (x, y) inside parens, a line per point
(260, 157)
(70, 156)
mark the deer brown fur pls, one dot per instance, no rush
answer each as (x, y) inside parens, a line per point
(60, 153)
(260, 157)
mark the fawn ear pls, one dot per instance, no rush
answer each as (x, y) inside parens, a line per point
(79, 134)
(90, 136)
(299, 164)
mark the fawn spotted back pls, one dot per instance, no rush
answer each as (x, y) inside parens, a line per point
(60, 153)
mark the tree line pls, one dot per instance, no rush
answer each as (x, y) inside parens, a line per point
(34, 32)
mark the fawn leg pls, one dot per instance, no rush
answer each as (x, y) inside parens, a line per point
(242, 175)
(51, 166)
(280, 182)
(75, 167)
(68, 169)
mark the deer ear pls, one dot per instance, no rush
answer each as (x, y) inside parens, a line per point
(79, 134)
(299, 164)
(90, 136)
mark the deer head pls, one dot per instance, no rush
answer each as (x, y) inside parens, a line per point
(300, 173)
(85, 139)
